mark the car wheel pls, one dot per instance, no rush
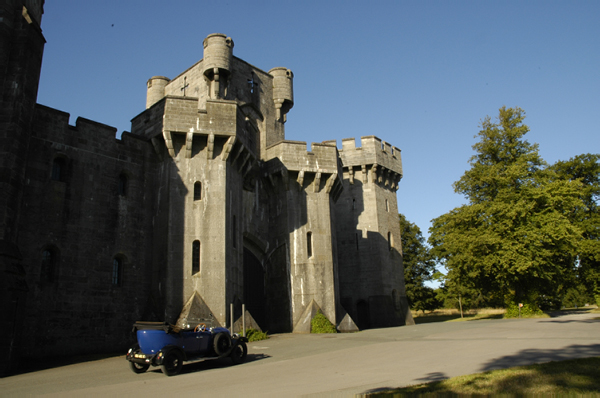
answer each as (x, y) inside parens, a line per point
(138, 367)
(221, 343)
(239, 353)
(172, 363)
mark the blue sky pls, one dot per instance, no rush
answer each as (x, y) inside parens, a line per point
(418, 74)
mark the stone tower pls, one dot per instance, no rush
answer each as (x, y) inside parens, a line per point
(21, 49)
(248, 217)
(371, 274)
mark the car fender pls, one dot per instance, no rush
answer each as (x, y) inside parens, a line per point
(158, 359)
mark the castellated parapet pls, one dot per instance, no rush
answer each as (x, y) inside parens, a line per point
(375, 158)
(203, 205)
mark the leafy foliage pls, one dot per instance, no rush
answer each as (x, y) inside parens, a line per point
(419, 267)
(320, 324)
(256, 335)
(514, 241)
(586, 170)
(527, 311)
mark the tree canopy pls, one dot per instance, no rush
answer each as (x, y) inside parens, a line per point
(515, 240)
(419, 267)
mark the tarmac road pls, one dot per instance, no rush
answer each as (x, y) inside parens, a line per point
(341, 365)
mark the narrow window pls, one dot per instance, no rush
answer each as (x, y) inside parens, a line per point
(49, 262)
(353, 204)
(390, 241)
(234, 232)
(197, 190)
(387, 205)
(309, 244)
(58, 169)
(116, 271)
(122, 185)
(195, 257)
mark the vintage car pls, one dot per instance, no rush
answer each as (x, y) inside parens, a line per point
(165, 345)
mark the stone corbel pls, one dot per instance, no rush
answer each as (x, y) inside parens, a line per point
(238, 153)
(317, 182)
(244, 162)
(351, 174)
(250, 166)
(330, 181)
(228, 147)
(286, 179)
(211, 146)
(386, 174)
(157, 147)
(189, 140)
(364, 173)
(374, 173)
(169, 142)
(301, 179)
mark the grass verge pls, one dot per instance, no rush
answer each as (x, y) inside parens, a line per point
(573, 377)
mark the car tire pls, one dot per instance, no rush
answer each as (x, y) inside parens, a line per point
(138, 367)
(221, 343)
(172, 363)
(239, 353)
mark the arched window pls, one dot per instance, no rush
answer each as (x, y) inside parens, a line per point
(387, 205)
(309, 245)
(49, 265)
(197, 190)
(117, 271)
(122, 185)
(195, 257)
(59, 169)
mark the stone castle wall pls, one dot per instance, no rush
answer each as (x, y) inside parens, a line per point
(204, 204)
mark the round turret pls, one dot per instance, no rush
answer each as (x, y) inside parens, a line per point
(283, 90)
(218, 50)
(156, 89)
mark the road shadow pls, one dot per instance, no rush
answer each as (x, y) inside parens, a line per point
(433, 376)
(530, 356)
(592, 320)
(209, 364)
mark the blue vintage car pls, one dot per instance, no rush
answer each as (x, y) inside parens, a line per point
(164, 345)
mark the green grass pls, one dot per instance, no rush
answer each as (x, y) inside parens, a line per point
(573, 377)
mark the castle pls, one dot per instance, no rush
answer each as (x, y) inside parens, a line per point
(203, 205)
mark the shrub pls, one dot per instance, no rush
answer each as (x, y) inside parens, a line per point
(320, 324)
(527, 311)
(256, 335)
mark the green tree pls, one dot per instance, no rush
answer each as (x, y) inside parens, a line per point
(419, 267)
(586, 169)
(513, 241)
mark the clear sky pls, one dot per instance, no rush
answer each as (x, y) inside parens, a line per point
(418, 74)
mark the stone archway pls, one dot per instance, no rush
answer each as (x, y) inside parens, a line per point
(254, 288)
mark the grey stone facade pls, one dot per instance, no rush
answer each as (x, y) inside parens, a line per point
(204, 204)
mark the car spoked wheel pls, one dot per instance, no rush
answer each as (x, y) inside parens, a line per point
(138, 367)
(239, 353)
(222, 343)
(172, 363)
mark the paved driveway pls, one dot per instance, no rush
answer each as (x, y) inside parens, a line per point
(335, 365)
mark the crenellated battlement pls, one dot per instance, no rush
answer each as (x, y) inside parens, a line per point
(291, 158)
(375, 158)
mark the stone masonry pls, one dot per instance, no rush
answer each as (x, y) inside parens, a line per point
(203, 205)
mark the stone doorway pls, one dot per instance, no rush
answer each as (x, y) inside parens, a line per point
(254, 288)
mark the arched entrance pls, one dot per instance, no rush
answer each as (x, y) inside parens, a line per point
(254, 287)
(363, 314)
